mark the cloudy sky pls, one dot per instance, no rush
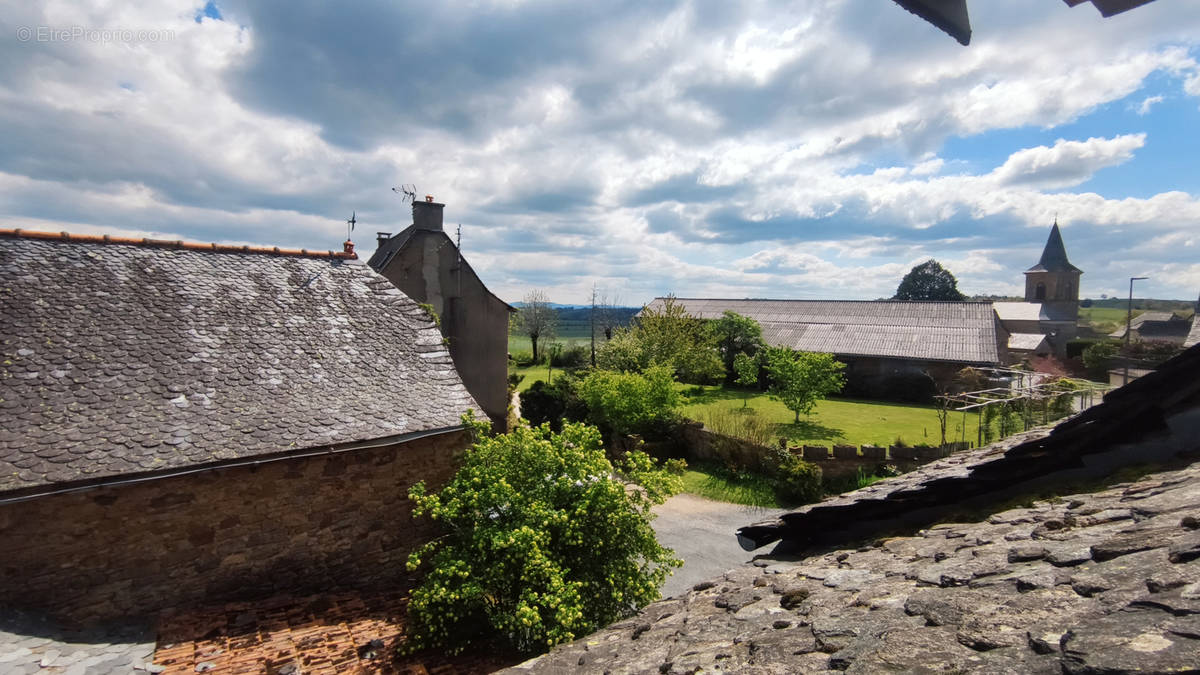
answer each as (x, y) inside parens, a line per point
(792, 149)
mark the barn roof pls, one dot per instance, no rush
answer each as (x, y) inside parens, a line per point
(963, 332)
(125, 357)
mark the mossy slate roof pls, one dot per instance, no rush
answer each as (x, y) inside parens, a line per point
(124, 358)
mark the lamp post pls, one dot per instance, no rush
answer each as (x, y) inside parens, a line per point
(1128, 323)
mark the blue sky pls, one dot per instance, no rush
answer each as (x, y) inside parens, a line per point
(792, 149)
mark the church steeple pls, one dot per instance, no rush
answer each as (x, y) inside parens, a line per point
(1054, 256)
(1054, 279)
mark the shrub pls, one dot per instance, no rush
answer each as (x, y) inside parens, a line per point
(798, 481)
(1098, 358)
(630, 402)
(553, 403)
(572, 356)
(543, 543)
(522, 357)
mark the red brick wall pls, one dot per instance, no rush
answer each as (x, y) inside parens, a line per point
(300, 525)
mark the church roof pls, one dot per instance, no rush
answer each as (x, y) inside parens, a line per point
(1054, 256)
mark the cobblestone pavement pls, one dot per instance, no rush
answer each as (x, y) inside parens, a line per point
(30, 644)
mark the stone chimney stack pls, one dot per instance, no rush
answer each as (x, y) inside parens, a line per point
(381, 237)
(427, 215)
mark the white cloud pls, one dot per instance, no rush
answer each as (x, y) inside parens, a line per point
(1147, 103)
(757, 148)
(1067, 162)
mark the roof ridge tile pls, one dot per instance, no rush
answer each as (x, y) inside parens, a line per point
(174, 243)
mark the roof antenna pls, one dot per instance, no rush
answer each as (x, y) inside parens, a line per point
(408, 190)
(351, 223)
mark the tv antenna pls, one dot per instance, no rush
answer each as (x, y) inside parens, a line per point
(408, 190)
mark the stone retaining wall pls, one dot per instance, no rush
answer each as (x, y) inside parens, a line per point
(836, 462)
(293, 525)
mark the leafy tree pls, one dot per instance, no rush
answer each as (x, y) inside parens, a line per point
(746, 367)
(664, 337)
(928, 281)
(543, 542)
(630, 402)
(800, 379)
(537, 319)
(1098, 357)
(735, 334)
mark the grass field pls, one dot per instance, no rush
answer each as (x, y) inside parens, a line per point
(520, 343)
(1104, 319)
(838, 420)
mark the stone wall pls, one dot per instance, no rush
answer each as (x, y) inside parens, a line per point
(838, 461)
(294, 525)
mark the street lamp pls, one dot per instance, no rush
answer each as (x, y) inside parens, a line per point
(1129, 323)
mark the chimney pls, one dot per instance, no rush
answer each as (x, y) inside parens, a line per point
(348, 249)
(381, 237)
(427, 215)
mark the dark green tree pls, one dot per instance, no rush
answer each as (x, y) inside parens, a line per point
(735, 334)
(929, 281)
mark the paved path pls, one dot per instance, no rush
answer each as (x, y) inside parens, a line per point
(30, 644)
(702, 533)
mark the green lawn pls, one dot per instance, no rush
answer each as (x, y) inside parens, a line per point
(1104, 319)
(710, 482)
(838, 420)
(532, 374)
(520, 343)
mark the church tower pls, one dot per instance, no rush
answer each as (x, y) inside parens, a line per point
(1054, 281)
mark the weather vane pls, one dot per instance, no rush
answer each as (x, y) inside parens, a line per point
(350, 224)
(408, 190)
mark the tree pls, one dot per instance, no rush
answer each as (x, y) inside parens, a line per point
(735, 334)
(537, 319)
(666, 337)
(800, 379)
(543, 542)
(929, 281)
(630, 402)
(746, 367)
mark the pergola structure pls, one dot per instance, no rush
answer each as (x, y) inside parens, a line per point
(1034, 389)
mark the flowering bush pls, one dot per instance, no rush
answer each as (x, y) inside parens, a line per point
(543, 542)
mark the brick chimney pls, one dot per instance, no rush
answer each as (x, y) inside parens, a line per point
(427, 215)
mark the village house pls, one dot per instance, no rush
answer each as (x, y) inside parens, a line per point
(427, 265)
(186, 423)
(1158, 326)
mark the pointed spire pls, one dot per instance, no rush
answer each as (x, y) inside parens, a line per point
(1054, 256)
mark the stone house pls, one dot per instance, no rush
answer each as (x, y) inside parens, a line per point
(185, 423)
(1158, 326)
(426, 264)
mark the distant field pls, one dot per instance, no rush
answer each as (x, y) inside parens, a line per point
(518, 343)
(1108, 319)
(1104, 319)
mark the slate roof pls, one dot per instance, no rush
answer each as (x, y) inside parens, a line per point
(150, 357)
(1155, 325)
(1193, 337)
(961, 332)
(1054, 256)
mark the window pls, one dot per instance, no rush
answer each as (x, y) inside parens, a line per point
(1039, 293)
